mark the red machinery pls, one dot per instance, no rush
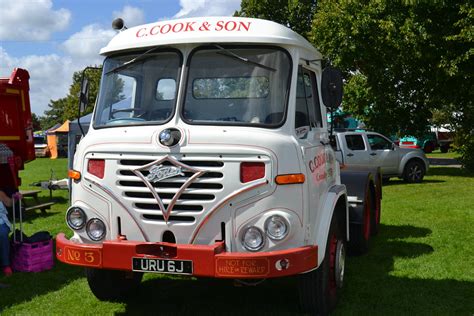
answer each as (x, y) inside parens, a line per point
(16, 129)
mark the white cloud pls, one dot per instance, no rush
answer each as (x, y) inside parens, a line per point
(194, 8)
(86, 43)
(50, 76)
(132, 16)
(31, 20)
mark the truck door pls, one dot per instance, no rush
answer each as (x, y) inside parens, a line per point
(383, 153)
(312, 136)
(355, 150)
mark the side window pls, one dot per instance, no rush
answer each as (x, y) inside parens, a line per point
(302, 114)
(377, 142)
(355, 142)
(307, 96)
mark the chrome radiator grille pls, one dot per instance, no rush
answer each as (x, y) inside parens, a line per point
(194, 200)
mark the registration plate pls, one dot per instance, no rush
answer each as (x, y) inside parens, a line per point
(162, 266)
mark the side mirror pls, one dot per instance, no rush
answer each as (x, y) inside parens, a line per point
(394, 146)
(331, 87)
(84, 95)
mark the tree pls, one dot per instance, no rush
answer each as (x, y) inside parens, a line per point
(293, 13)
(35, 120)
(67, 108)
(402, 62)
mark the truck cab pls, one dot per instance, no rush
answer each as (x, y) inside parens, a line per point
(208, 156)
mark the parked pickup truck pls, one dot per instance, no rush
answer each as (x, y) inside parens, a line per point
(370, 149)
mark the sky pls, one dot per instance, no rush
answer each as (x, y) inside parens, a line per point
(53, 39)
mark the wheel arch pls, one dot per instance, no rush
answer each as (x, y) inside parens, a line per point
(409, 159)
(336, 204)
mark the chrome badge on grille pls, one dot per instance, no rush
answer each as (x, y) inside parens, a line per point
(158, 173)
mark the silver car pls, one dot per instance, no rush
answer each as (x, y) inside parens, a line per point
(370, 149)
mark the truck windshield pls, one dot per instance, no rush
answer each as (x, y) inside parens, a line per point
(237, 86)
(144, 92)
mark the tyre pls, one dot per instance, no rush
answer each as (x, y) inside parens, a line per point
(320, 289)
(112, 285)
(428, 148)
(444, 149)
(414, 172)
(376, 210)
(359, 235)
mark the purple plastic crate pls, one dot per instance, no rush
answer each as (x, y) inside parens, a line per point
(32, 257)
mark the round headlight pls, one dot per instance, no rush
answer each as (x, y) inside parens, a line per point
(76, 218)
(95, 229)
(252, 239)
(276, 227)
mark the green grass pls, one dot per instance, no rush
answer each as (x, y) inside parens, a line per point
(421, 263)
(438, 154)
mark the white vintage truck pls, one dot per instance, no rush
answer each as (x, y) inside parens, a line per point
(209, 156)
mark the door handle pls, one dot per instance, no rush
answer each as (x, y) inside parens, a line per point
(373, 154)
(350, 154)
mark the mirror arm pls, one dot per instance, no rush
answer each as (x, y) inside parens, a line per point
(79, 107)
(79, 113)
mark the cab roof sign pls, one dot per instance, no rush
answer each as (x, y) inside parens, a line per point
(206, 30)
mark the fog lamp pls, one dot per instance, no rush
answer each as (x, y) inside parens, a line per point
(276, 227)
(95, 229)
(252, 239)
(76, 218)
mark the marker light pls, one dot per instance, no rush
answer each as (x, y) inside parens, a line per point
(252, 239)
(250, 171)
(73, 174)
(95, 229)
(290, 179)
(96, 167)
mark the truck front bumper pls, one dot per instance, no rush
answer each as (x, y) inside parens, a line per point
(207, 260)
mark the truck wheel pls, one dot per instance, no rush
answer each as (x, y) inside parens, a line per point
(112, 285)
(428, 147)
(320, 289)
(444, 149)
(377, 208)
(359, 235)
(414, 172)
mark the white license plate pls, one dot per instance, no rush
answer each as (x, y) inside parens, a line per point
(162, 265)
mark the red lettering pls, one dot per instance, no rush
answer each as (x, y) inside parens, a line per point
(244, 25)
(204, 26)
(220, 26)
(138, 32)
(155, 27)
(168, 28)
(189, 26)
(180, 25)
(227, 28)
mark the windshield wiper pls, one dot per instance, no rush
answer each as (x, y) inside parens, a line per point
(132, 61)
(228, 53)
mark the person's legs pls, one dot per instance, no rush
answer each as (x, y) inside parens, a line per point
(4, 246)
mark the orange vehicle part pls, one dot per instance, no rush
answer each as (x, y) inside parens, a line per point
(208, 260)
